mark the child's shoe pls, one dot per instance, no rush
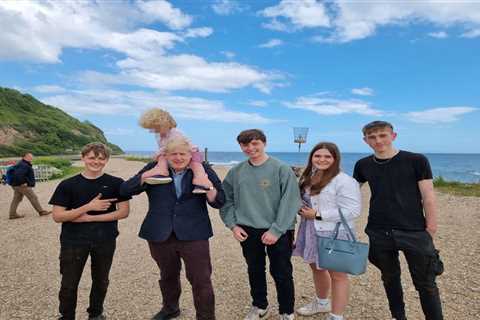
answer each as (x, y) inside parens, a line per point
(201, 189)
(158, 180)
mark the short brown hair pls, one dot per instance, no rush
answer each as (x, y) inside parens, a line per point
(98, 148)
(246, 136)
(157, 118)
(375, 125)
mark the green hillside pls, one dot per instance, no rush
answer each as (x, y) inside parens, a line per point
(26, 124)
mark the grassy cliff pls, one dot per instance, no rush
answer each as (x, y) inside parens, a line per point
(26, 124)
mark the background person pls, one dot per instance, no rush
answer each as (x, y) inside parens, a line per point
(23, 182)
(325, 190)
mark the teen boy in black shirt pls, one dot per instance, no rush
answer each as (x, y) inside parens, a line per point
(88, 205)
(402, 217)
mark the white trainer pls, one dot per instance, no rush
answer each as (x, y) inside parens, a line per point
(314, 307)
(255, 313)
(285, 316)
(158, 180)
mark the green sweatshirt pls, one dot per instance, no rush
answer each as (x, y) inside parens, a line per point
(262, 197)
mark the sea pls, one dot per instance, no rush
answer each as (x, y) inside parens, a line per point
(450, 166)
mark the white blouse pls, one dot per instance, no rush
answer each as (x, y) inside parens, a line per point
(342, 192)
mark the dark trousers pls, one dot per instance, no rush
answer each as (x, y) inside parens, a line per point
(198, 269)
(279, 254)
(72, 262)
(419, 251)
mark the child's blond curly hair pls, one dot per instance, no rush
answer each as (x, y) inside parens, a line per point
(157, 118)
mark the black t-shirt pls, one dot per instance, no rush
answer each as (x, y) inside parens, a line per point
(77, 191)
(396, 201)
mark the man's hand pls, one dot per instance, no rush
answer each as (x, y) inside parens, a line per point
(98, 204)
(239, 234)
(269, 239)
(307, 213)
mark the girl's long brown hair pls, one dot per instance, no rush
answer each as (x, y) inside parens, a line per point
(317, 182)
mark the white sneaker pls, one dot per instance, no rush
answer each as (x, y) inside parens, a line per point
(314, 307)
(158, 180)
(285, 316)
(256, 313)
(332, 317)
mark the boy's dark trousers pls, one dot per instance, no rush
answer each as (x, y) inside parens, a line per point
(72, 262)
(279, 255)
(419, 251)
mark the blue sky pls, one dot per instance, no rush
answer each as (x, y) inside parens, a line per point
(223, 66)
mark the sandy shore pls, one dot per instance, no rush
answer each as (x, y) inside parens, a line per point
(30, 270)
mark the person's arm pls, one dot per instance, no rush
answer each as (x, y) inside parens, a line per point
(348, 199)
(290, 203)
(216, 196)
(227, 212)
(429, 205)
(123, 209)
(135, 185)
(61, 214)
(30, 177)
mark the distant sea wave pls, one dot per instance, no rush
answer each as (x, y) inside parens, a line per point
(452, 167)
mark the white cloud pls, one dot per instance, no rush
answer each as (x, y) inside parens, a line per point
(39, 31)
(346, 20)
(271, 43)
(358, 20)
(438, 35)
(186, 72)
(48, 89)
(300, 14)
(226, 7)
(472, 33)
(198, 32)
(228, 54)
(161, 10)
(258, 103)
(363, 91)
(439, 115)
(116, 102)
(331, 106)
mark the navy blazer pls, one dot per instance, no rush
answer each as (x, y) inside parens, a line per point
(23, 174)
(187, 216)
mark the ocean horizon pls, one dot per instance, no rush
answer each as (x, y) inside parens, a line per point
(462, 167)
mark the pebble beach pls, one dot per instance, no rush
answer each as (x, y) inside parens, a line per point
(30, 276)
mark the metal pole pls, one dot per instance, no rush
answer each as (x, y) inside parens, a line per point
(206, 155)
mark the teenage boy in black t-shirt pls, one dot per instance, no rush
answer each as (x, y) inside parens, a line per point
(88, 205)
(402, 217)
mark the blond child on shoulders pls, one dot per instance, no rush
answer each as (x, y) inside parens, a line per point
(165, 128)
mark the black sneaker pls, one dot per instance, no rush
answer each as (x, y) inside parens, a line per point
(165, 314)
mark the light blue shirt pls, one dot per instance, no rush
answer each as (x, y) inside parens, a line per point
(177, 180)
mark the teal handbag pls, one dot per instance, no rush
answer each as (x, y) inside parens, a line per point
(349, 256)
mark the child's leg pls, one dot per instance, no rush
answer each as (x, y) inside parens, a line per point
(162, 165)
(200, 177)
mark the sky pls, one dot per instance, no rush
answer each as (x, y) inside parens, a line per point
(222, 66)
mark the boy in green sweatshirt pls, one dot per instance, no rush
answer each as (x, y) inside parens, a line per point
(262, 200)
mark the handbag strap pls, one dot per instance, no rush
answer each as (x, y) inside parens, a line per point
(345, 225)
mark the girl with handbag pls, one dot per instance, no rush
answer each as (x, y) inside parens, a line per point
(325, 190)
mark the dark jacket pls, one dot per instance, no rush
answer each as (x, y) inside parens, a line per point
(23, 174)
(186, 216)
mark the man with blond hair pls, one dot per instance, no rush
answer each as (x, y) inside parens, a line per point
(177, 227)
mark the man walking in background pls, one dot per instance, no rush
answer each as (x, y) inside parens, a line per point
(23, 181)
(402, 217)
